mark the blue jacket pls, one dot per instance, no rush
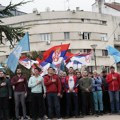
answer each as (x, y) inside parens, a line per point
(96, 84)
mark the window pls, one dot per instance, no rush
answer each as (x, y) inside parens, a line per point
(82, 19)
(45, 37)
(104, 53)
(66, 35)
(104, 22)
(118, 37)
(104, 37)
(86, 35)
(87, 20)
(86, 50)
(90, 68)
(117, 47)
(22, 24)
(107, 68)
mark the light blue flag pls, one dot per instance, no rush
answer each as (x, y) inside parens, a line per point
(13, 58)
(113, 51)
(25, 43)
(116, 58)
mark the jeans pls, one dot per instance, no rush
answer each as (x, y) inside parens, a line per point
(69, 97)
(114, 100)
(53, 102)
(98, 100)
(20, 97)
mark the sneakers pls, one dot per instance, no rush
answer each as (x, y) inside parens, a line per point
(26, 118)
(96, 113)
(67, 117)
(45, 117)
(101, 113)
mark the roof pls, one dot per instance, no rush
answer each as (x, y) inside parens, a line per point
(113, 5)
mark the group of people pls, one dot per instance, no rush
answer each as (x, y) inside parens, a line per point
(64, 95)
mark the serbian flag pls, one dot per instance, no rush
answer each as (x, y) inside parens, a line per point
(84, 59)
(39, 60)
(55, 54)
(44, 66)
(25, 61)
(68, 55)
(74, 64)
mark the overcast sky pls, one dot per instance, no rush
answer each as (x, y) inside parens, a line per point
(41, 5)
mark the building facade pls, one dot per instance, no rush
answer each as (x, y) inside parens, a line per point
(80, 29)
(111, 8)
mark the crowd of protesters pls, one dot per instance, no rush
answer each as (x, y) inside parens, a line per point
(64, 95)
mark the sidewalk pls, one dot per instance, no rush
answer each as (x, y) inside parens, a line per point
(104, 117)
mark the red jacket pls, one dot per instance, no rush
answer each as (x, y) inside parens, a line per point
(75, 84)
(113, 85)
(52, 87)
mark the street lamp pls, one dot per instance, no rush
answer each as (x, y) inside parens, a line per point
(94, 47)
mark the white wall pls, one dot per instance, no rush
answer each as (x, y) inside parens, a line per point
(105, 10)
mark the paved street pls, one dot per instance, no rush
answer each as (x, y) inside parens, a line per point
(104, 117)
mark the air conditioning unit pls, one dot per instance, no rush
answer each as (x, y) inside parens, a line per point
(80, 33)
(48, 42)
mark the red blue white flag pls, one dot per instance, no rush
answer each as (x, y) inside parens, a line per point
(55, 54)
(25, 61)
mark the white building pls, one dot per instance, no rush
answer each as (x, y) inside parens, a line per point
(111, 8)
(80, 29)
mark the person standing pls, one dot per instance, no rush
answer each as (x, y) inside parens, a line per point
(71, 93)
(97, 93)
(85, 84)
(36, 83)
(5, 95)
(106, 100)
(53, 90)
(62, 76)
(19, 83)
(113, 80)
(79, 76)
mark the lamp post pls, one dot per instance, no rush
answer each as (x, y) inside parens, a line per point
(94, 47)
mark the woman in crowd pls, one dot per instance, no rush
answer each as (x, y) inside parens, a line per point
(97, 93)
